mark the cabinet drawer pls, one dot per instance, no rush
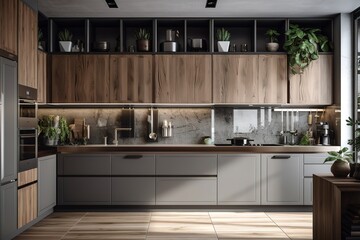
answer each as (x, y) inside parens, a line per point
(186, 164)
(84, 190)
(311, 169)
(317, 158)
(186, 190)
(84, 164)
(133, 190)
(27, 204)
(133, 164)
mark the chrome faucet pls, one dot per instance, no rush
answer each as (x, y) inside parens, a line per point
(116, 142)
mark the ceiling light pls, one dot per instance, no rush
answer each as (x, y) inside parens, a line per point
(211, 3)
(111, 3)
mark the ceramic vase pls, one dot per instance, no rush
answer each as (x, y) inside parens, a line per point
(223, 46)
(340, 168)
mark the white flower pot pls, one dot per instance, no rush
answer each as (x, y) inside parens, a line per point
(272, 47)
(65, 46)
(223, 46)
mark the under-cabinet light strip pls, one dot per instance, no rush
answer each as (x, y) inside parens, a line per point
(298, 110)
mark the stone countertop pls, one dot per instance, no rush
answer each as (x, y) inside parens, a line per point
(193, 148)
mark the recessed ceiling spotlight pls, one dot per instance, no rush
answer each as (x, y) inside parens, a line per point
(111, 3)
(211, 3)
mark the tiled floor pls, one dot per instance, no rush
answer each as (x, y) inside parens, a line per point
(172, 226)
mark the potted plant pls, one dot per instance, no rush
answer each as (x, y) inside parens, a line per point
(223, 37)
(54, 128)
(273, 45)
(302, 46)
(142, 40)
(342, 158)
(65, 40)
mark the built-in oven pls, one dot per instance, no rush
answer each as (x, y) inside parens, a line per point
(27, 133)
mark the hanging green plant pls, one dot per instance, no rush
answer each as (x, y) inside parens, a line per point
(303, 46)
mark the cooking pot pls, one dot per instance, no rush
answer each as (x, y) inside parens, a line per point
(101, 46)
(240, 141)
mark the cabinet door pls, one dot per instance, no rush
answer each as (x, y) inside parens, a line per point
(47, 183)
(239, 179)
(133, 191)
(8, 211)
(186, 190)
(92, 79)
(63, 78)
(42, 76)
(84, 164)
(28, 43)
(282, 179)
(84, 190)
(308, 191)
(27, 204)
(272, 79)
(235, 78)
(314, 86)
(132, 164)
(9, 25)
(183, 79)
(131, 78)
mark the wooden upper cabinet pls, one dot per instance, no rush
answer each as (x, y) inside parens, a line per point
(80, 78)
(272, 86)
(63, 78)
(27, 45)
(183, 79)
(42, 76)
(235, 78)
(131, 78)
(92, 79)
(314, 86)
(8, 26)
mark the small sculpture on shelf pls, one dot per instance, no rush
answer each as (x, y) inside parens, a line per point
(223, 37)
(65, 40)
(273, 45)
(143, 40)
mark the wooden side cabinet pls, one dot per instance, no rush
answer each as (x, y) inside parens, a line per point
(8, 25)
(183, 79)
(42, 76)
(314, 86)
(27, 45)
(131, 78)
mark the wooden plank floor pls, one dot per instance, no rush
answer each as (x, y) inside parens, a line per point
(172, 226)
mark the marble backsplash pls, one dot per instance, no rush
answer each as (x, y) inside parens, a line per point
(190, 124)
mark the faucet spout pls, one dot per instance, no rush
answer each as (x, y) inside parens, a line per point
(116, 142)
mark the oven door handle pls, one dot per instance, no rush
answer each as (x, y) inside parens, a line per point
(28, 101)
(27, 135)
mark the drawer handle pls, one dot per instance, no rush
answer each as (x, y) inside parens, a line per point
(280, 157)
(133, 156)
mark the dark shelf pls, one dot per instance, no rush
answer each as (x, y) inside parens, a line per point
(171, 24)
(130, 27)
(262, 26)
(43, 25)
(107, 30)
(198, 29)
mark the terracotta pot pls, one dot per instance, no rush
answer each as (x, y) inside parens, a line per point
(340, 168)
(143, 45)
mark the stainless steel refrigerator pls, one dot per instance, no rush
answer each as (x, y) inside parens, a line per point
(9, 149)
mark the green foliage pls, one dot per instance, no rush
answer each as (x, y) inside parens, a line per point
(46, 125)
(64, 130)
(65, 35)
(142, 34)
(302, 46)
(305, 140)
(223, 35)
(342, 155)
(272, 34)
(356, 141)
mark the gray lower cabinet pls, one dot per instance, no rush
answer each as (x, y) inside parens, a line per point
(133, 164)
(133, 190)
(84, 164)
(8, 210)
(308, 191)
(186, 191)
(239, 179)
(46, 183)
(84, 190)
(282, 179)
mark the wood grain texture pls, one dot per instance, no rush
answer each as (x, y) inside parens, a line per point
(63, 78)
(131, 78)
(27, 46)
(27, 204)
(314, 86)
(331, 196)
(28, 176)
(42, 76)
(183, 79)
(9, 25)
(235, 78)
(272, 79)
(92, 79)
